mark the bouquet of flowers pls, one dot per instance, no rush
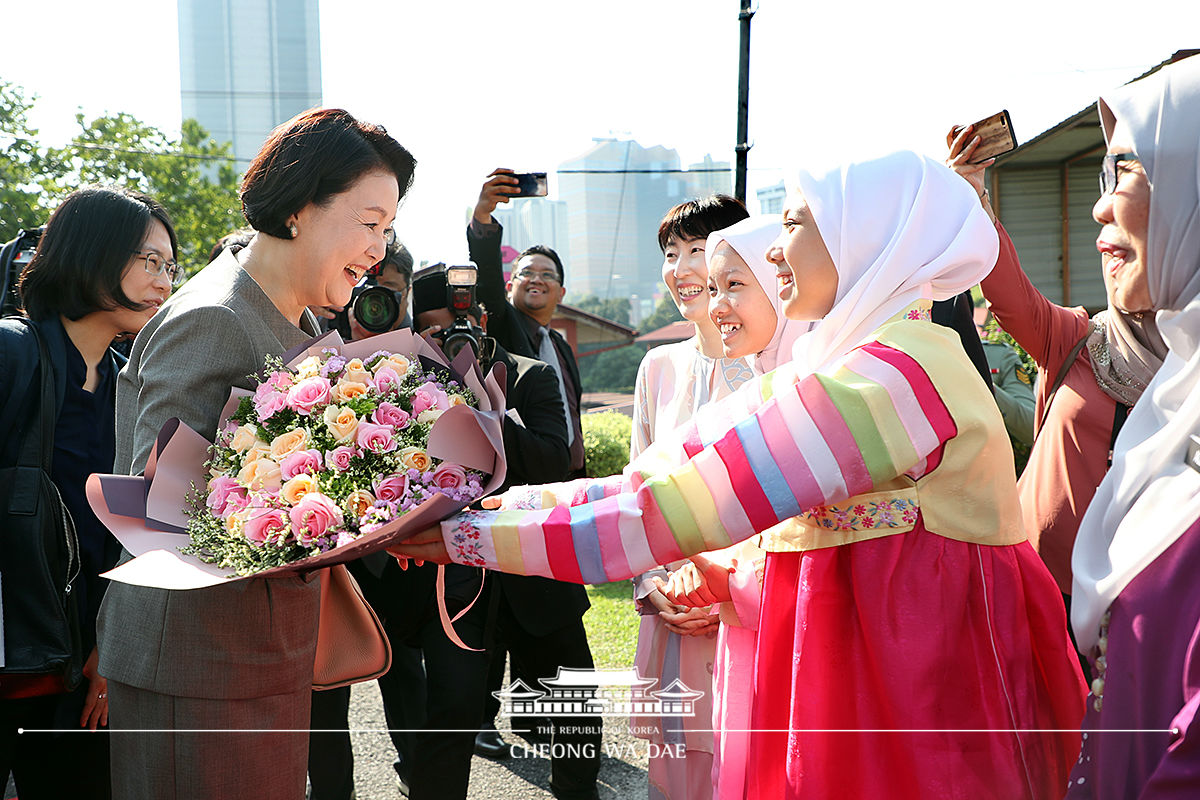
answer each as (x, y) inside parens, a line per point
(323, 453)
(341, 450)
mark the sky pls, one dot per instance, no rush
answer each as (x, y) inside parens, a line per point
(467, 86)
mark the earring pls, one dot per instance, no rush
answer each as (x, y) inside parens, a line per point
(292, 229)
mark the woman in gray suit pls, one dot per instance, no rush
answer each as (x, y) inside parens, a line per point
(321, 196)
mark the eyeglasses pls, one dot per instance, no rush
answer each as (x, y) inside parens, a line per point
(532, 274)
(1108, 170)
(156, 265)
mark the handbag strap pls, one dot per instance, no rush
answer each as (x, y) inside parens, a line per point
(1058, 380)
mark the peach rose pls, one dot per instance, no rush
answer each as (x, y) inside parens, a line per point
(456, 400)
(260, 474)
(415, 458)
(243, 437)
(287, 443)
(396, 362)
(296, 488)
(356, 372)
(358, 502)
(430, 415)
(342, 423)
(308, 368)
(348, 390)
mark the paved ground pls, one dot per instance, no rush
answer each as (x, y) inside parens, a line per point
(621, 778)
(525, 778)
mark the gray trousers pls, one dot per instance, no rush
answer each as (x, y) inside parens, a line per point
(249, 748)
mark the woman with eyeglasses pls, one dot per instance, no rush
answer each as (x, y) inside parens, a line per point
(1091, 370)
(103, 267)
(321, 196)
(1136, 611)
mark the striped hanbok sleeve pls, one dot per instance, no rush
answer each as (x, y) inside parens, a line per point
(801, 443)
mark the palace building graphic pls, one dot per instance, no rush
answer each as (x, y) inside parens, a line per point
(598, 692)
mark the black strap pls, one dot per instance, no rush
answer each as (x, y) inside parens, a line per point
(1119, 415)
(37, 440)
(1058, 380)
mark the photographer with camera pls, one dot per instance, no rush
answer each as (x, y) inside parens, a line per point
(522, 308)
(542, 624)
(445, 310)
(378, 304)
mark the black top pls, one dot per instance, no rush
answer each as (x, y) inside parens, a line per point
(85, 442)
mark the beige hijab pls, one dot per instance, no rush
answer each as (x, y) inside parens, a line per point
(1151, 495)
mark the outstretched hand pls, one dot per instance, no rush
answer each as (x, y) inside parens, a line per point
(496, 189)
(427, 545)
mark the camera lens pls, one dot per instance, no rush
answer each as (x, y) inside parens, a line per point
(376, 309)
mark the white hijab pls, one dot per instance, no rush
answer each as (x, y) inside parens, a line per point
(899, 228)
(751, 238)
(1150, 496)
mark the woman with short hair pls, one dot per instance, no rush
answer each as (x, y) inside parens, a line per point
(321, 196)
(104, 265)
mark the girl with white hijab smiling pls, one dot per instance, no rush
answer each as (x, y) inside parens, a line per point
(1136, 609)
(911, 644)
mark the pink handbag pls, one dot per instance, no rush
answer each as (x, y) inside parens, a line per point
(351, 644)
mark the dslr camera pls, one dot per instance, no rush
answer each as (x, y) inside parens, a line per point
(459, 281)
(376, 308)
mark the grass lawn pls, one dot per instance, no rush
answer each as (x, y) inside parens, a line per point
(612, 624)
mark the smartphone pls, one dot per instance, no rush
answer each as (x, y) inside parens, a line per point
(530, 184)
(995, 137)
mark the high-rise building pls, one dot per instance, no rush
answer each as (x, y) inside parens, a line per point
(247, 65)
(770, 199)
(535, 220)
(615, 194)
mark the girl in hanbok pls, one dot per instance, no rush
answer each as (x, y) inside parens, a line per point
(743, 305)
(911, 643)
(673, 381)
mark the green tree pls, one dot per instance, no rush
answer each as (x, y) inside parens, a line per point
(192, 176)
(22, 165)
(612, 370)
(614, 309)
(664, 314)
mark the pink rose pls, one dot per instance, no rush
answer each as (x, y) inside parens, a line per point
(268, 403)
(388, 414)
(314, 516)
(449, 476)
(280, 380)
(339, 458)
(223, 493)
(308, 393)
(266, 524)
(428, 396)
(376, 438)
(392, 488)
(386, 380)
(300, 462)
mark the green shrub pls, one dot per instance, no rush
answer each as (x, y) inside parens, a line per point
(606, 442)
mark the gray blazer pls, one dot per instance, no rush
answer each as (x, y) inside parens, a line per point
(252, 638)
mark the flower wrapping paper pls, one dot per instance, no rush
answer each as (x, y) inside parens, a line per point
(146, 512)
